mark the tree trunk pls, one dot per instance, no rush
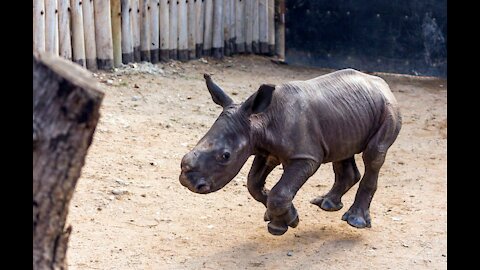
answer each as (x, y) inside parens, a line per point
(66, 102)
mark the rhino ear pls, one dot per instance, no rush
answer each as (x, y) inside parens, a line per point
(218, 95)
(262, 98)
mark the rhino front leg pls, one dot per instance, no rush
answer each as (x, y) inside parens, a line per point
(261, 167)
(280, 209)
(346, 176)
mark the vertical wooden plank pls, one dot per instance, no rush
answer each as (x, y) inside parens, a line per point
(271, 27)
(116, 32)
(217, 43)
(154, 32)
(89, 34)
(144, 30)
(182, 31)
(56, 45)
(240, 26)
(191, 28)
(64, 39)
(232, 27)
(50, 25)
(226, 27)
(248, 21)
(103, 34)
(208, 28)
(78, 40)
(127, 39)
(255, 34)
(173, 29)
(38, 26)
(135, 25)
(164, 30)
(280, 30)
(263, 25)
(200, 21)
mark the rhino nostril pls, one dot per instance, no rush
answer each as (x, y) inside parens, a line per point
(201, 186)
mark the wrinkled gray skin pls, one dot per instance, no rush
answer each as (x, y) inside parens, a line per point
(299, 124)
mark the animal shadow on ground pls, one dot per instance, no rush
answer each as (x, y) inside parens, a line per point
(262, 250)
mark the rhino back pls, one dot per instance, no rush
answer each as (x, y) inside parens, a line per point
(327, 118)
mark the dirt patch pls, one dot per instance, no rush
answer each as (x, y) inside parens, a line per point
(129, 210)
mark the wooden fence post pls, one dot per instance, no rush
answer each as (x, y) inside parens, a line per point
(271, 27)
(248, 21)
(208, 28)
(64, 39)
(50, 26)
(280, 30)
(173, 23)
(164, 30)
(240, 26)
(116, 32)
(135, 24)
(154, 32)
(191, 28)
(255, 26)
(78, 41)
(38, 26)
(103, 34)
(127, 41)
(144, 30)
(182, 31)
(89, 33)
(217, 43)
(231, 27)
(263, 25)
(200, 21)
(56, 45)
(66, 104)
(226, 27)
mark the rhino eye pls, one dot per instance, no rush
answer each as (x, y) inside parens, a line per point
(225, 156)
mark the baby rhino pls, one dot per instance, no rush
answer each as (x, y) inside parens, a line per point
(299, 124)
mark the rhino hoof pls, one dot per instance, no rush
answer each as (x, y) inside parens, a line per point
(327, 204)
(277, 229)
(356, 220)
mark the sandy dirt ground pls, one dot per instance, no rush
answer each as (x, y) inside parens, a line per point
(129, 210)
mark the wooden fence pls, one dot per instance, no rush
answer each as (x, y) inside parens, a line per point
(102, 34)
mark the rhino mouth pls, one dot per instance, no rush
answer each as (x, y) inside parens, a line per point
(195, 182)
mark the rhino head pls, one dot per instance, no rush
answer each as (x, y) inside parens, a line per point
(221, 152)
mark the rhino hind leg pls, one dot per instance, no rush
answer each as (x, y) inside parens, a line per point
(373, 157)
(346, 176)
(358, 215)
